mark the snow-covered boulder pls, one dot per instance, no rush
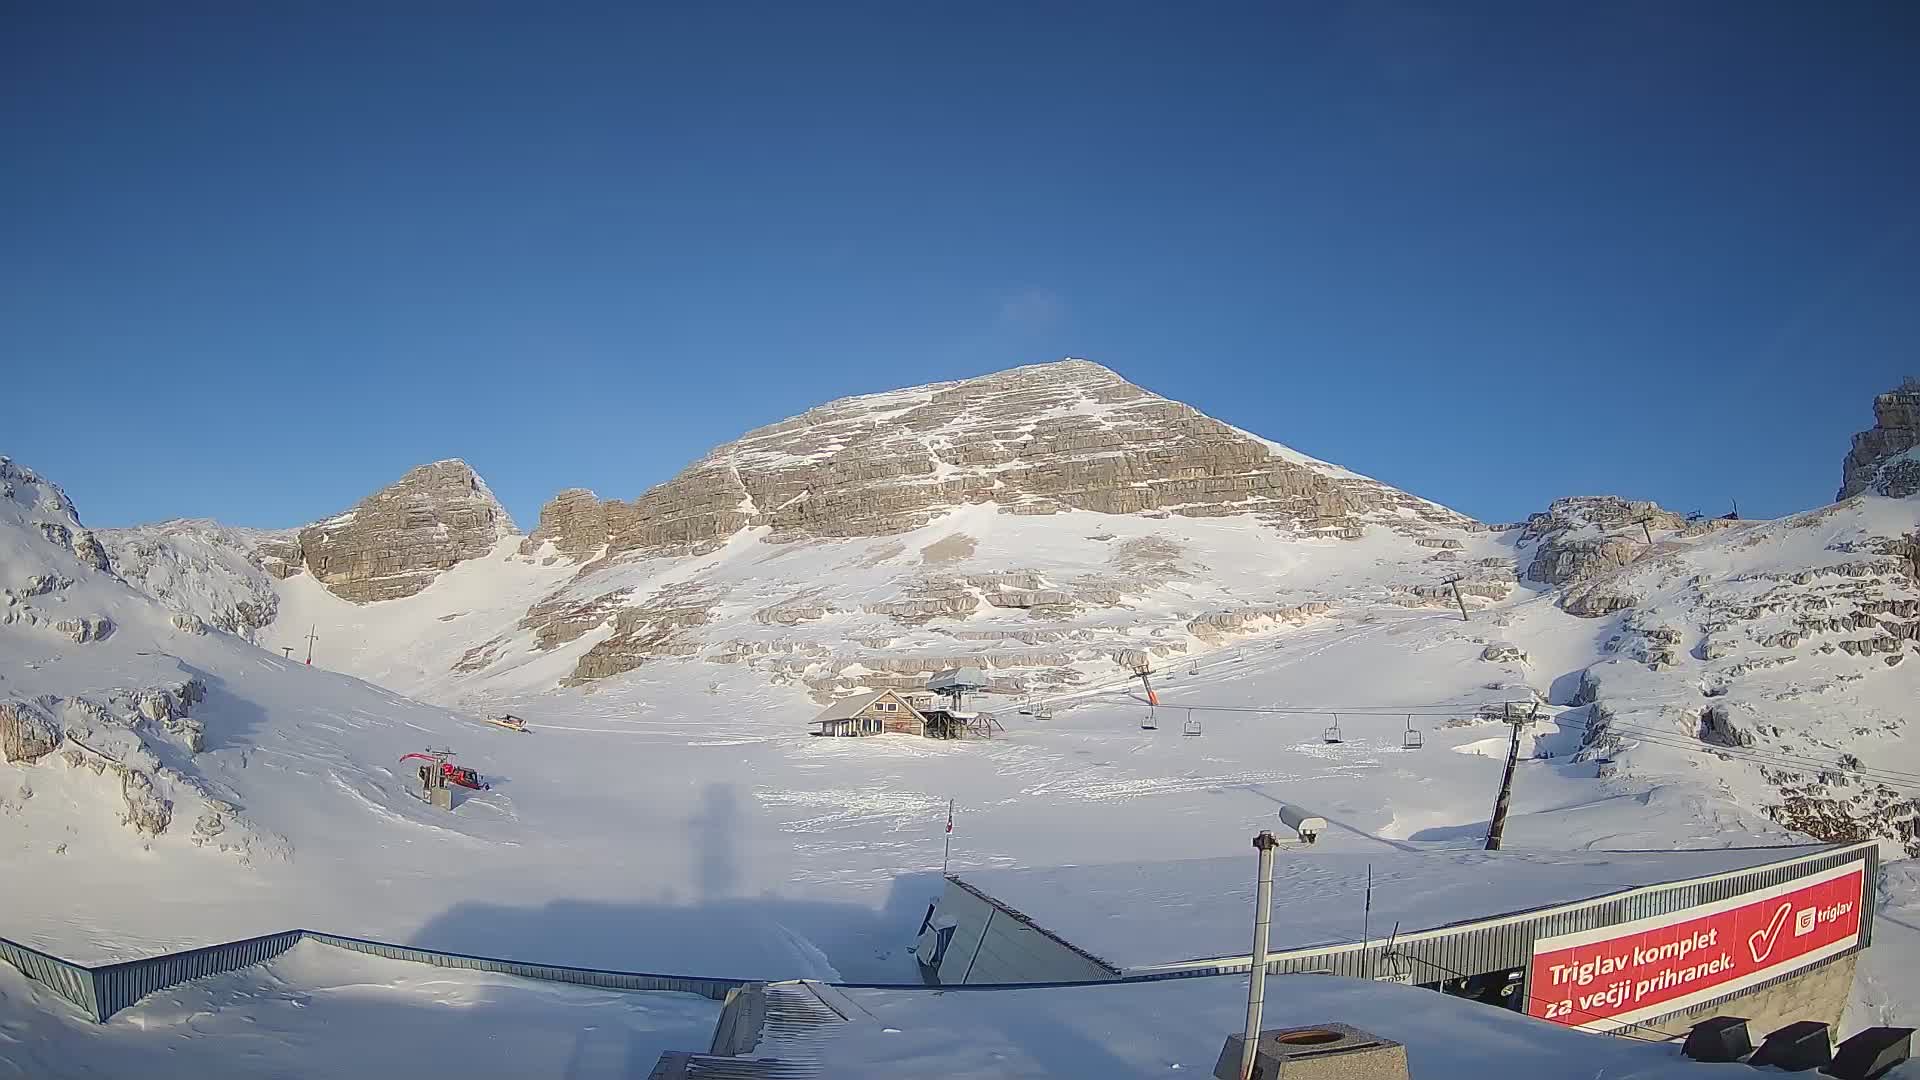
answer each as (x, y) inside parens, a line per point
(85, 628)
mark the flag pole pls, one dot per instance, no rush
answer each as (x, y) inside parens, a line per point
(948, 853)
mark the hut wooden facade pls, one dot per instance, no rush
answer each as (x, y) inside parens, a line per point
(883, 712)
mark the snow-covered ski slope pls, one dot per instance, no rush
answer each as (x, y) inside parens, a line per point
(1163, 574)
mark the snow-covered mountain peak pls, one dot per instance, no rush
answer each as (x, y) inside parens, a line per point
(398, 540)
(47, 537)
(27, 495)
(1030, 441)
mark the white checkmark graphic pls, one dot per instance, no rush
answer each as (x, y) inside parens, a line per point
(1760, 944)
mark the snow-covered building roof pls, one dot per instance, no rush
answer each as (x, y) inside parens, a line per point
(1144, 1029)
(849, 708)
(1136, 916)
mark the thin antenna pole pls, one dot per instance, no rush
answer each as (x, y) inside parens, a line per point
(1366, 923)
(947, 854)
(311, 638)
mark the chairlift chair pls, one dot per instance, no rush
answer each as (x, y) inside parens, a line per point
(1147, 722)
(1193, 667)
(1043, 712)
(1193, 724)
(1412, 740)
(1332, 734)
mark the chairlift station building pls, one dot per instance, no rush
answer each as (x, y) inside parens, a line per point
(1551, 934)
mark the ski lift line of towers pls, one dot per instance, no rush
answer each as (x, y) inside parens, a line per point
(1411, 739)
(1043, 708)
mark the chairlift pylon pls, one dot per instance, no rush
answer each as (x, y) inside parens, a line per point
(1332, 734)
(1412, 740)
(1193, 724)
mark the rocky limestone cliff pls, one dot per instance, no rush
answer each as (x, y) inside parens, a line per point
(1580, 537)
(397, 540)
(1882, 459)
(1070, 435)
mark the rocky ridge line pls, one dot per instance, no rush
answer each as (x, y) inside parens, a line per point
(1070, 435)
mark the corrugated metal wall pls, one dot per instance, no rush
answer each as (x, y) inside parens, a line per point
(69, 980)
(612, 980)
(102, 991)
(117, 986)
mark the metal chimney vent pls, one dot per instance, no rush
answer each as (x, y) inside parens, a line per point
(1321, 1052)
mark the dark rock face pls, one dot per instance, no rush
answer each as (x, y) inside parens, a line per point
(1879, 460)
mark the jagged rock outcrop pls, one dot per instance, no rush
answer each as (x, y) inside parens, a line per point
(652, 631)
(1033, 440)
(397, 540)
(1218, 627)
(148, 812)
(170, 708)
(1582, 537)
(1882, 458)
(561, 618)
(26, 733)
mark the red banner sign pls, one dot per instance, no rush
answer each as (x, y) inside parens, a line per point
(1612, 976)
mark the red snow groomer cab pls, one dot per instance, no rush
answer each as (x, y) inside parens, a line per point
(439, 772)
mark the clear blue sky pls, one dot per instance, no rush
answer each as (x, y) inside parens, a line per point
(255, 264)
